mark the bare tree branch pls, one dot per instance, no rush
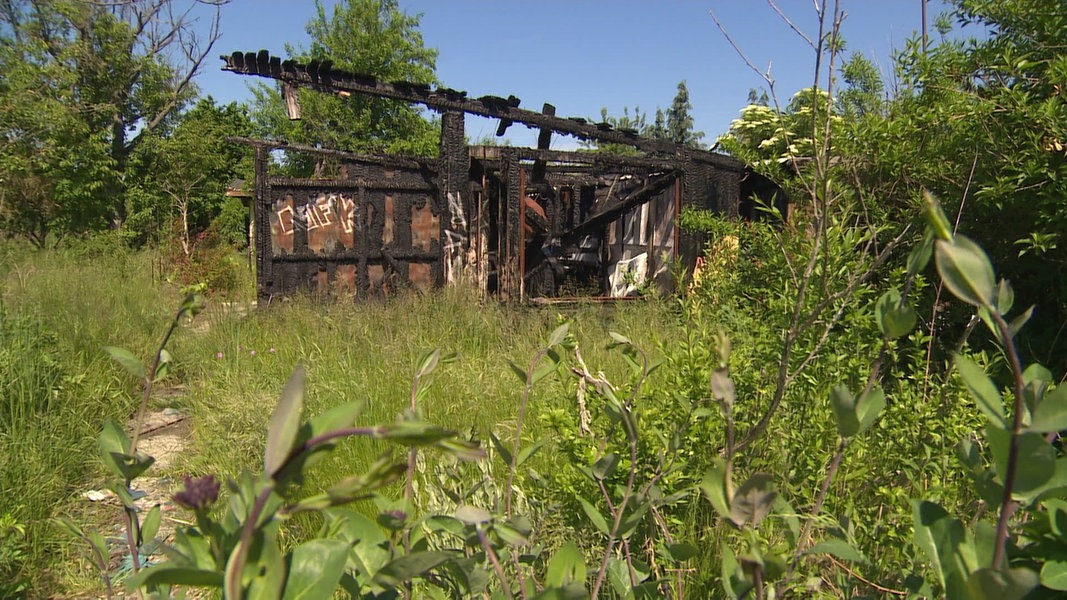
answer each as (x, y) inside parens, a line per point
(774, 6)
(741, 53)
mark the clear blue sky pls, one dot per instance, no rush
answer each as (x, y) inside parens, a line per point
(581, 55)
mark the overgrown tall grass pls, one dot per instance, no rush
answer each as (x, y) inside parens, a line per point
(58, 309)
(368, 353)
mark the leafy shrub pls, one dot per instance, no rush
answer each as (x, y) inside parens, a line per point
(212, 262)
(231, 224)
(12, 556)
(29, 370)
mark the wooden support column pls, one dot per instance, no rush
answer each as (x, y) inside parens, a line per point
(261, 211)
(511, 234)
(453, 185)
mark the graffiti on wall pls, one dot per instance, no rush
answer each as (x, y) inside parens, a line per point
(456, 239)
(326, 211)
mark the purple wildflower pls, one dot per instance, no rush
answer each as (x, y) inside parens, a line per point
(198, 493)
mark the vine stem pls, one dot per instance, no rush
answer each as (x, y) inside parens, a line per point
(484, 540)
(1007, 505)
(518, 428)
(240, 556)
(132, 524)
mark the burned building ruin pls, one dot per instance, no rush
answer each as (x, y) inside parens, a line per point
(518, 223)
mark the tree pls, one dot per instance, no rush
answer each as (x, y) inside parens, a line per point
(864, 92)
(186, 172)
(658, 130)
(680, 122)
(85, 82)
(758, 97)
(372, 37)
(637, 121)
(983, 123)
(776, 143)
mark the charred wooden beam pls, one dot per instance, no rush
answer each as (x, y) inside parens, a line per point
(356, 184)
(443, 100)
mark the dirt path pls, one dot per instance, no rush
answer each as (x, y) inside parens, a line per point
(165, 435)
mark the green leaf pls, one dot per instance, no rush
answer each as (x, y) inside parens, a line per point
(284, 423)
(1036, 462)
(369, 551)
(124, 357)
(844, 406)
(461, 449)
(940, 538)
(1051, 413)
(163, 369)
(722, 387)
(985, 393)
(411, 566)
(935, 217)
(966, 271)
(169, 574)
(70, 527)
(505, 454)
(267, 569)
(869, 406)
(529, 451)
(682, 551)
(114, 444)
(630, 522)
(594, 515)
(753, 500)
(510, 536)
(338, 417)
(894, 318)
(1054, 574)
(315, 569)
(546, 367)
(734, 581)
(518, 371)
(150, 526)
(472, 515)
(193, 304)
(1005, 297)
(559, 334)
(714, 487)
(1018, 322)
(839, 548)
(920, 255)
(566, 566)
(605, 467)
(413, 433)
(1007, 584)
(132, 466)
(428, 363)
(618, 338)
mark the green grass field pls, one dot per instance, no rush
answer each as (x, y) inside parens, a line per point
(59, 309)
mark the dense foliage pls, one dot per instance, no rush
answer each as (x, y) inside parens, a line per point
(85, 83)
(850, 402)
(363, 36)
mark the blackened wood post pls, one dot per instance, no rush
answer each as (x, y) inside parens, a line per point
(511, 273)
(261, 211)
(453, 175)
